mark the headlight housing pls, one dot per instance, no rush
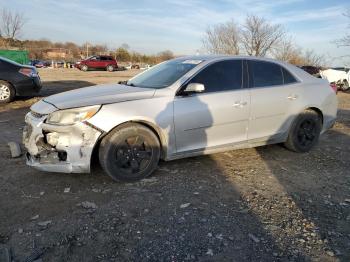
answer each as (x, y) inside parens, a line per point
(72, 116)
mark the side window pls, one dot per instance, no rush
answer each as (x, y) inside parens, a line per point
(103, 58)
(287, 77)
(265, 74)
(221, 76)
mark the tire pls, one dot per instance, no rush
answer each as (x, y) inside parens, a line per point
(84, 68)
(305, 132)
(130, 152)
(110, 68)
(345, 85)
(7, 92)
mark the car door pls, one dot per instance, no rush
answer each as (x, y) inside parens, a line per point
(219, 115)
(104, 61)
(272, 96)
(94, 62)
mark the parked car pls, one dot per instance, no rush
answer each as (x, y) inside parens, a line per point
(17, 80)
(37, 63)
(180, 108)
(338, 76)
(312, 70)
(98, 62)
(341, 69)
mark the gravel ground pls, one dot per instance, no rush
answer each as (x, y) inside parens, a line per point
(262, 204)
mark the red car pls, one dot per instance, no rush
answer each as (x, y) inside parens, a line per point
(98, 62)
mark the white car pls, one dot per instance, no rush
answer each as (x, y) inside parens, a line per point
(340, 77)
(180, 108)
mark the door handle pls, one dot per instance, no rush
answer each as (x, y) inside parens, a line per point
(292, 97)
(239, 104)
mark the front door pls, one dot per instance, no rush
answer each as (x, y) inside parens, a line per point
(219, 115)
(94, 62)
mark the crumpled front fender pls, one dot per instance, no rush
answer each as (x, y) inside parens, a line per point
(54, 148)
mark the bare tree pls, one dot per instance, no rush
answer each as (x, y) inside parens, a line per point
(345, 41)
(166, 55)
(289, 52)
(222, 39)
(125, 46)
(11, 24)
(313, 59)
(259, 36)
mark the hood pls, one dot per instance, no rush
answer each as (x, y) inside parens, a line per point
(98, 95)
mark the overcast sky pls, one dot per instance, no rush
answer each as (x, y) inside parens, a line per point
(152, 26)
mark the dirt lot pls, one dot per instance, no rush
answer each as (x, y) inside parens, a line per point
(263, 204)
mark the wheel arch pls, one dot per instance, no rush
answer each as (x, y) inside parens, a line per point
(317, 110)
(295, 116)
(156, 130)
(12, 85)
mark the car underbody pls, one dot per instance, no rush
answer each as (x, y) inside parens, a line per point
(55, 148)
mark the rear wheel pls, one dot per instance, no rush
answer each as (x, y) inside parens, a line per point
(130, 152)
(304, 132)
(110, 68)
(84, 68)
(345, 85)
(7, 92)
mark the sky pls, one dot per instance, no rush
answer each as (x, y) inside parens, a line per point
(179, 25)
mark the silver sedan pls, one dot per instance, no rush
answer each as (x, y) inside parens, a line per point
(184, 107)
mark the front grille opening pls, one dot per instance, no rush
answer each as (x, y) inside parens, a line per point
(62, 156)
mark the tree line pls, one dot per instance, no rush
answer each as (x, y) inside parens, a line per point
(256, 36)
(38, 50)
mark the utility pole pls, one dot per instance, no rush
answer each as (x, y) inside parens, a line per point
(87, 49)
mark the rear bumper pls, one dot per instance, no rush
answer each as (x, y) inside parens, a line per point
(28, 86)
(65, 149)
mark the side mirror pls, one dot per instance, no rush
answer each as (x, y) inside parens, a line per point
(194, 88)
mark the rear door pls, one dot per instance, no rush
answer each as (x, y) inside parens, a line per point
(219, 115)
(272, 96)
(104, 61)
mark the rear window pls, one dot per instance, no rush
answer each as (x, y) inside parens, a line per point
(265, 74)
(106, 58)
(5, 60)
(288, 78)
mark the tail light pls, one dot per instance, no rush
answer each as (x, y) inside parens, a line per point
(334, 87)
(30, 72)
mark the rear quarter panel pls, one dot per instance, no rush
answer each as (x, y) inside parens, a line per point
(316, 94)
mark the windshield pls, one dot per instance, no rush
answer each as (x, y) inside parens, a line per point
(164, 74)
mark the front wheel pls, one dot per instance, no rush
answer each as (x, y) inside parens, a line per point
(130, 152)
(84, 68)
(7, 92)
(304, 132)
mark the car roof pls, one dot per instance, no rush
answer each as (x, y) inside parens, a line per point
(219, 57)
(298, 72)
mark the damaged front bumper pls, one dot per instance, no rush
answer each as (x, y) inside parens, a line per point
(53, 148)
